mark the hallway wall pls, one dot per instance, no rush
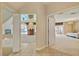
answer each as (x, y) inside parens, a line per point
(3, 48)
(0, 31)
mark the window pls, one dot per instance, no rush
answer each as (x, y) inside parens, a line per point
(24, 17)
(59, 29)
(23, 29)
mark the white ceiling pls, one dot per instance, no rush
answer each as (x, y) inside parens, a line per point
(17, 5)
(60, 17)
(69, 15)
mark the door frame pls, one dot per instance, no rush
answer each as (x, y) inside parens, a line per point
(52, 16)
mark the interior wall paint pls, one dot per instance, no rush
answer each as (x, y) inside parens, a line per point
(8, 25)
(0, 30)
(41, 29)
(68, 28)
(51, 39)
(76, 26)
(72, 27)
(7, 13)
(2, 7)
(0, 18)
(16, 32)
(1, 22)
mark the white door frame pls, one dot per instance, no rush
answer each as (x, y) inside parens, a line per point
(16, 32)
(51, 19)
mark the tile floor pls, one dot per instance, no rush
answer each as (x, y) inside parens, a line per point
(69, 46)
(29, 51)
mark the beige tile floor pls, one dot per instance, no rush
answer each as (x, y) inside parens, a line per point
(29, 51)
(68, 45)
(51, 52)
(26, 50)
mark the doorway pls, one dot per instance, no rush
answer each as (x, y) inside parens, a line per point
(28, 32)
(51, 31)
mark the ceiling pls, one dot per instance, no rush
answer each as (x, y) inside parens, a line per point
(17, 5)
(68, 15)
(60, 17)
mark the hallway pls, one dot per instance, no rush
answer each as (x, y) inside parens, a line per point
(31, 35)
(60, 49)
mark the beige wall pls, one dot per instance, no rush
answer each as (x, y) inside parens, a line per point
(72, 27)
(3, 6)
(68, 27)
(51, 31)
(0, 17)
(77, 26)
(41, 29)
(0, 29)
(16, 33)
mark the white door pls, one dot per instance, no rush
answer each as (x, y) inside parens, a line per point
(51, 31)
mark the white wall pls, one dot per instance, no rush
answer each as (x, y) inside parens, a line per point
(16, 32)
(8, 41)
(8, 25)
(0, 30)
(7, 13)
(41, 28)
(3, 15)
